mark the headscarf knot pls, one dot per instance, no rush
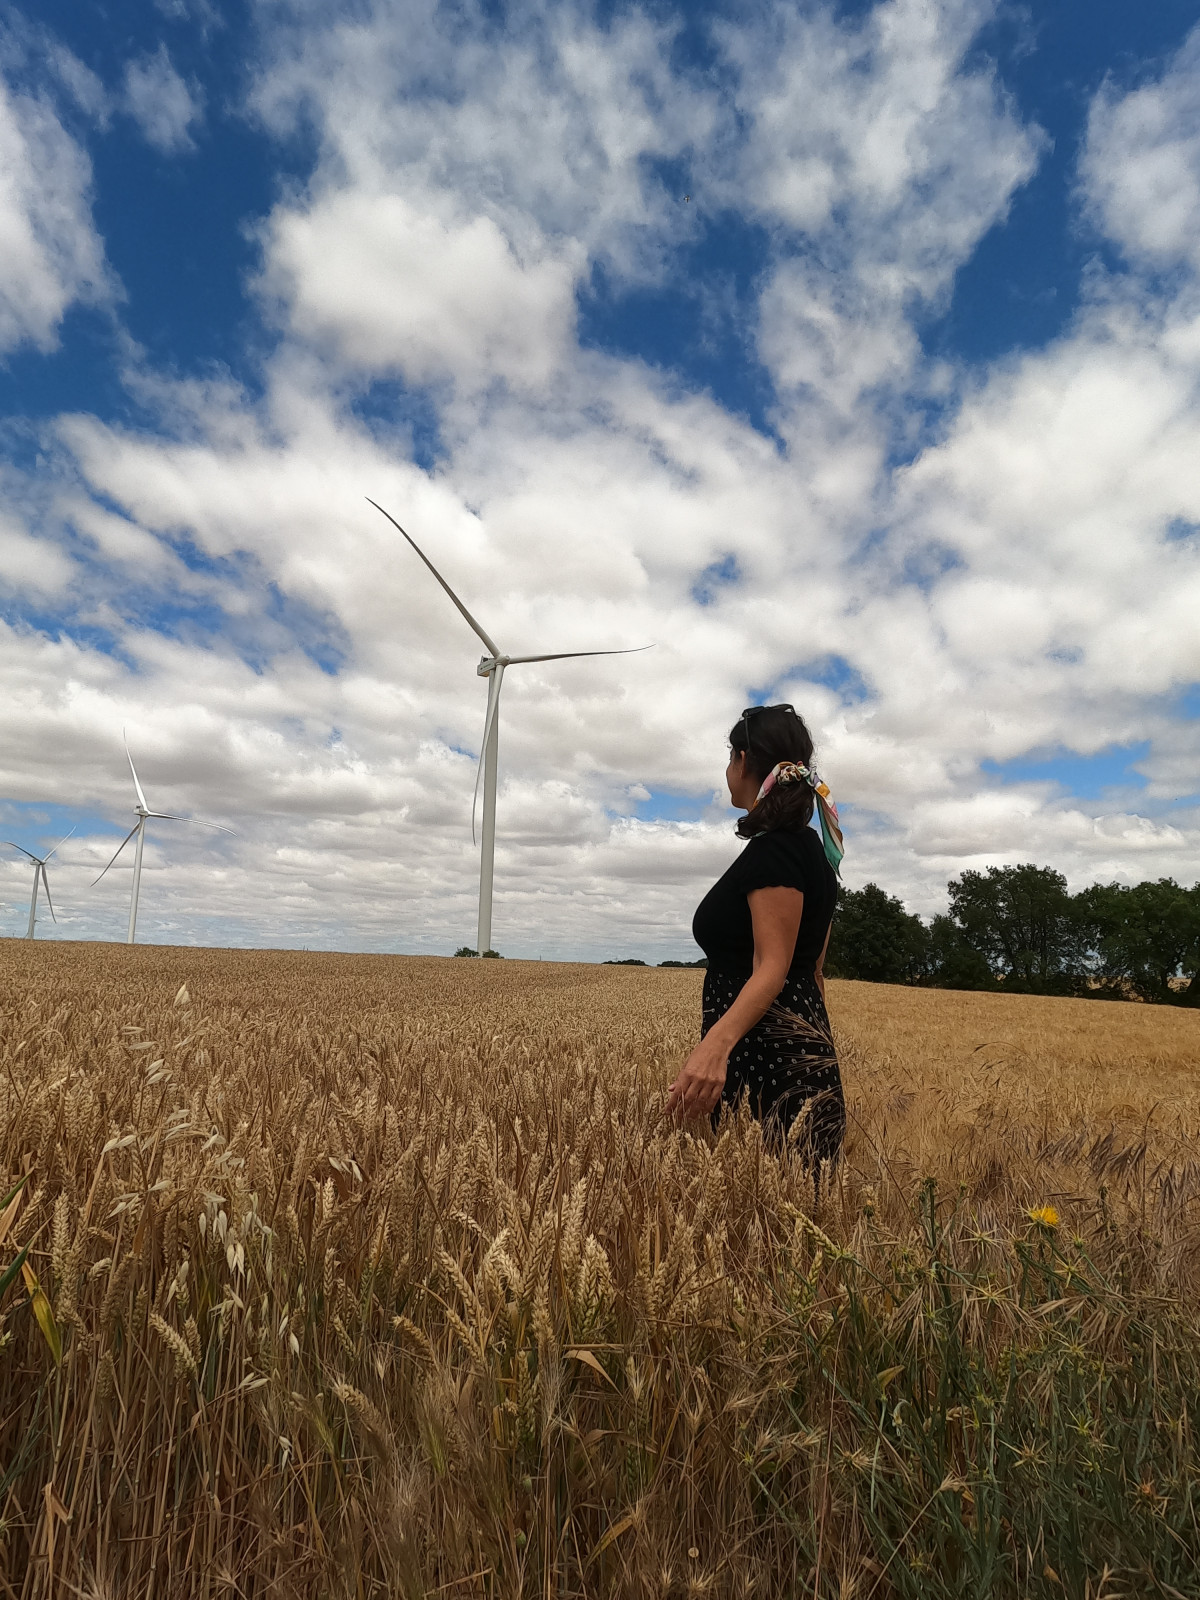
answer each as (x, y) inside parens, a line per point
(831, 832)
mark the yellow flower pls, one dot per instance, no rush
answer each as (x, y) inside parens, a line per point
(1044, 1216)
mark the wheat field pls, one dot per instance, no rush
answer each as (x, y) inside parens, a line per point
(368, 1276)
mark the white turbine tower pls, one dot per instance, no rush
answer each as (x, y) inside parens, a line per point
(39, 878)
(491, 667)
(139, 828)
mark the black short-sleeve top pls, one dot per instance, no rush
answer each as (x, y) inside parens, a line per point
(722, 926)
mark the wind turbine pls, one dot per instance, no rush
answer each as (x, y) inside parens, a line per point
(39, 877)
(139, 828)
(491, 667)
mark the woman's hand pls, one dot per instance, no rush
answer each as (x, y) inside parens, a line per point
(697, 1088)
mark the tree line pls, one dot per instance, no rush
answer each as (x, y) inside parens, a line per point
(1020, 929)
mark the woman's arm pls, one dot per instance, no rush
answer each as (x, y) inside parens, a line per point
(775, 914)
(819, 969)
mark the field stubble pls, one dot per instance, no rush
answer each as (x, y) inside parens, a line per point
(381, 1276)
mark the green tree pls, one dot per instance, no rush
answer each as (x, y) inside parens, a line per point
(1022, 921)
(952, 962)
(1144, 936)
(875, 938)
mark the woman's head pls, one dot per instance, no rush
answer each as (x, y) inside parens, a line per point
(760, 739)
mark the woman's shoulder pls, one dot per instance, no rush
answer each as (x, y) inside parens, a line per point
(796, 845)
(780, 857)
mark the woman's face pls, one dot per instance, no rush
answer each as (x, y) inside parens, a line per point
(743, 789)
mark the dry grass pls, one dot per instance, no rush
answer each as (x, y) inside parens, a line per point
(368, 1276)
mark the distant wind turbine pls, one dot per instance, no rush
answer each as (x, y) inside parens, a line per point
(491, 667)
(39, 878)
(139, 828)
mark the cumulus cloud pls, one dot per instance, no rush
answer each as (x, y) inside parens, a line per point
(1141, 166)
(471, 178)
(50, 255)
(879, 159)
(165, 107)
(546, 122)
(1061, 501)
(31, 566)
(390, 284)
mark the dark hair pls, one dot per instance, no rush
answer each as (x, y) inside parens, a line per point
(769, 736)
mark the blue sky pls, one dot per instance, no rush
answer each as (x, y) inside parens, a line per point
(847, 352)
(177, 223)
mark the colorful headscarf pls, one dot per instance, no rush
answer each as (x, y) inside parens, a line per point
(831, 832)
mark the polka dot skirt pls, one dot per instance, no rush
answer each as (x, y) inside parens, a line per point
(786, 1066)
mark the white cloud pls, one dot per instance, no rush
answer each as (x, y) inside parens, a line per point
(50, 255)
(390, 284)
(82, 85)
(880, 160)
(471, 178)
(34, 566)
(546, 123)
(1058, 490)
(166, 108)
(1141, 166)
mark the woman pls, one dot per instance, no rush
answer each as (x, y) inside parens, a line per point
(764, 927)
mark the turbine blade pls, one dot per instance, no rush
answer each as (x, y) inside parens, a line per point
(570, 655)
(119, 848)
(197, 822)
(492, 647)
(49, 853)
(494, 681)
(133, 769)
(35, 859)
(46, 886)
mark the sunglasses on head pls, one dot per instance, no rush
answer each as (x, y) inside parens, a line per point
(752, 711)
